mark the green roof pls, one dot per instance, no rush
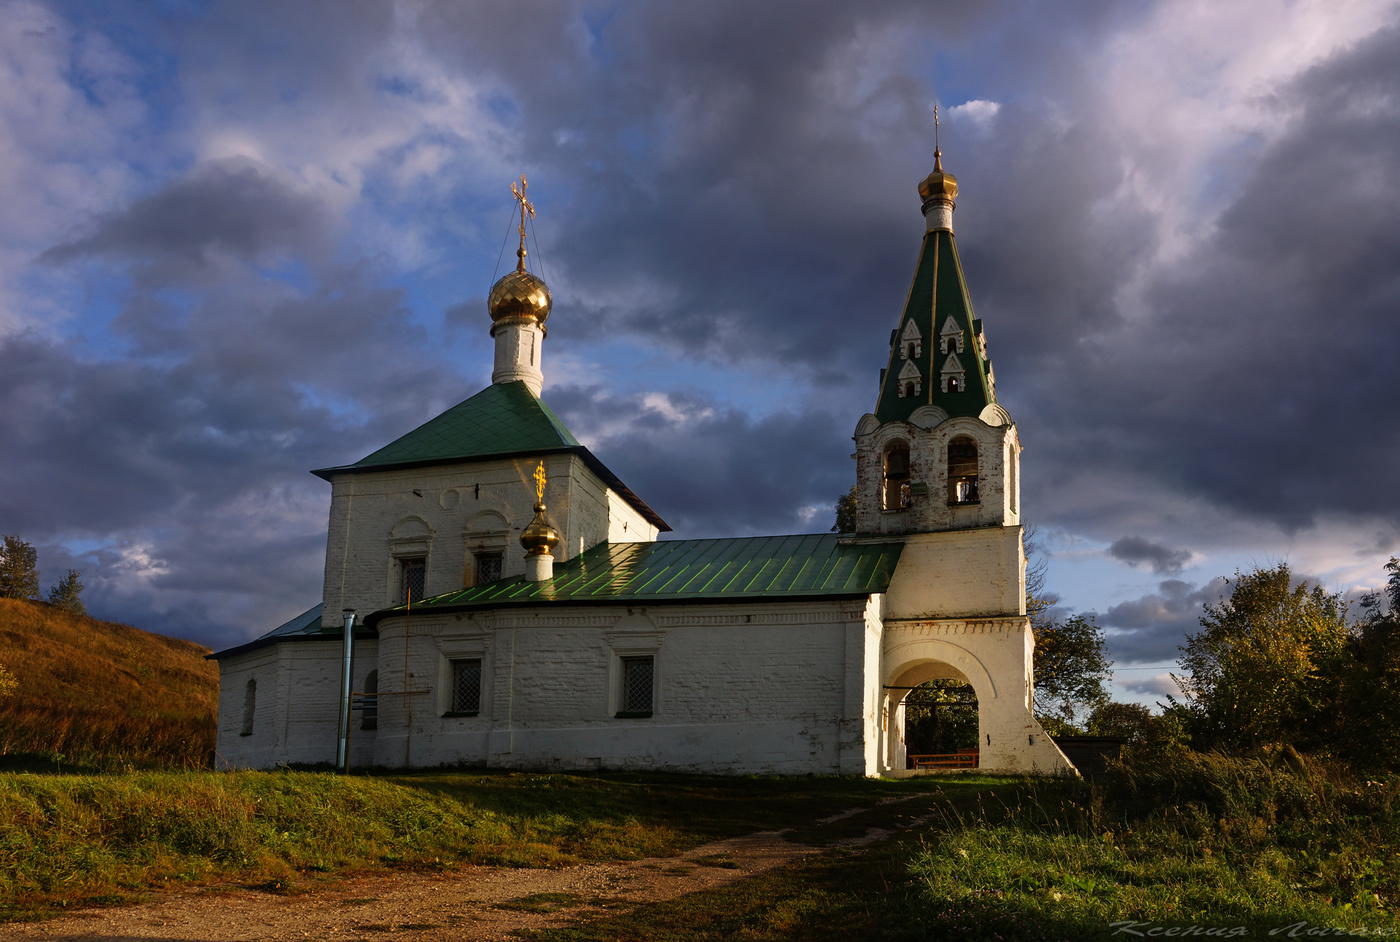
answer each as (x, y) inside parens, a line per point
(939, 292)
(503, 420)
(770, 568)
(305, 627)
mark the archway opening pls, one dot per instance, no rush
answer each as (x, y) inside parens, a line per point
(932, 719)
(940, 725)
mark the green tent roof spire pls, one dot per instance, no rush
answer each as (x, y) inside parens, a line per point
(938, 355)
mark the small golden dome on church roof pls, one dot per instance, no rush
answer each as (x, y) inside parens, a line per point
(938, 185)
(540, 537)
(520, 294)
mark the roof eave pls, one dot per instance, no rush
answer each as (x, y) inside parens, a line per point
(374, 618)
(266, 642)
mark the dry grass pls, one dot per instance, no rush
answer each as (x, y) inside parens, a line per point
(103, 694)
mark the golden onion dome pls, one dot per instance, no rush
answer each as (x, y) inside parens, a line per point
(520, 294)
(540, 537)
(938, 185)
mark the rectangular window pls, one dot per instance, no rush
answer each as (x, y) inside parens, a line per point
(637, 673)
(413, 574)
(466, 688)
(488, 567)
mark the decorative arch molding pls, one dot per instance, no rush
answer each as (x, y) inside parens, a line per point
(411, 536)
(901, 656)
(927, 417)
(975, 429)
(412, 527)
(487, 520)
(995, 416)
(867, 424)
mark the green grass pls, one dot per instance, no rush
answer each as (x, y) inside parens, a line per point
(86, 839)
(1220, 844)
(1177, 841)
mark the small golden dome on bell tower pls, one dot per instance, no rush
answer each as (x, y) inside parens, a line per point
(939, 184)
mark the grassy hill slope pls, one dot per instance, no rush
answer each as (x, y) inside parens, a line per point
(102, 693)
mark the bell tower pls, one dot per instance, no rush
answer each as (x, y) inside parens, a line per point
(938, 453)
(937, 467)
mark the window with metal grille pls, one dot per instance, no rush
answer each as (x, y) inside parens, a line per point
(466, 688)
(488, 567)
(413, 574)
(637, 675)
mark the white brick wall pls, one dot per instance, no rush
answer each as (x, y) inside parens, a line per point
(298, 704)
(376, 517)
(757, 688)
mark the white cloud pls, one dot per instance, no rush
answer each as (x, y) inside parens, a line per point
(978, 111)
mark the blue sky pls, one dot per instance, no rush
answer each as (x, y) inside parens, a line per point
(244, 240)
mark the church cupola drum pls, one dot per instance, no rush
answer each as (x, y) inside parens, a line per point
(519, 305)
(938, 452)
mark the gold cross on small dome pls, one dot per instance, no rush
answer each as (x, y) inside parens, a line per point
(539, 483)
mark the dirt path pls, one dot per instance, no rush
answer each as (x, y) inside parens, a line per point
(474, 903)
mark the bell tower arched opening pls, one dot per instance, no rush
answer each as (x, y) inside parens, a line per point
(894, 493)
(962, 471)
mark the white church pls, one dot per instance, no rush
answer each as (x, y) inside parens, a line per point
(513, 607)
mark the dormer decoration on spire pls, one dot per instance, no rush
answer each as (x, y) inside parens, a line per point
(953, 378)
(911, 381)
(951, 336)
(911, 343)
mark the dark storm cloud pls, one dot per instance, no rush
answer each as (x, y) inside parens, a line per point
(1135, 550)
(1153, 627)
(744, 178)
(711, 470)
(1263, 380)
(728, 181)
(228, 209)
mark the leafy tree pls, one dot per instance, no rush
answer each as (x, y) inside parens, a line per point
(1367, 728)
(69, 593)
(1264, 668)
(846, 512)
(1070, 671)
(19, 574)
(1130, 721)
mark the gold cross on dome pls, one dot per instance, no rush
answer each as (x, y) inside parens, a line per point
(539, 483)
(525, 207)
